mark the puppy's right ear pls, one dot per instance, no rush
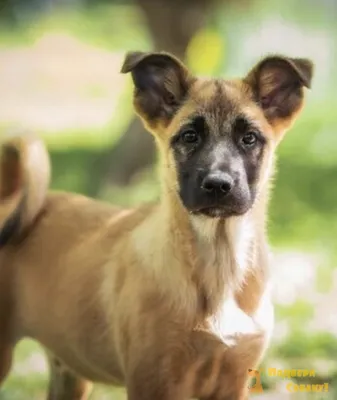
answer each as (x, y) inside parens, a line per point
(278, 83)
(161, 84)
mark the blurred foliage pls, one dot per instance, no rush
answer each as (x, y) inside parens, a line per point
(208, 47)
(308, 346)
(299, 312)
(118, 27)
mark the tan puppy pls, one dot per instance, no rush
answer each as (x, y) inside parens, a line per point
(172, 299)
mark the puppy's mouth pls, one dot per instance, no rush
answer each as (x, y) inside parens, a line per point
(217, 212)
(213, 212)
(232, 206)
(222, 211)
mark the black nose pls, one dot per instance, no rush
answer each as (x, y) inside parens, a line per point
(218, 182)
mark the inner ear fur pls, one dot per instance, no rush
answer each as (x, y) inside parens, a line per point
(161, 84)
(278, 84)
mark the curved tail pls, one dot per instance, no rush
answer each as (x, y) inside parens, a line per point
(24, 181)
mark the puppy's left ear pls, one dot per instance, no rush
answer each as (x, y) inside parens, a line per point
(161, 83)
(278, 84)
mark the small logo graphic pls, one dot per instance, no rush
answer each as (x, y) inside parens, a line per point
(256, 384)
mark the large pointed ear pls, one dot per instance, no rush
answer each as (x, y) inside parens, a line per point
(161, 84)
(278, 84)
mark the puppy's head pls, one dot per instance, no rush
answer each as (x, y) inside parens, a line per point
(217, 137)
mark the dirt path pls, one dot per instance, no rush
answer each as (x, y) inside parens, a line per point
(59, 84)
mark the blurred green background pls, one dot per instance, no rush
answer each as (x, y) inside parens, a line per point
(59, 76)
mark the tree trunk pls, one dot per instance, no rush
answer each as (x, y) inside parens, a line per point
(7, 13)
(172, 24)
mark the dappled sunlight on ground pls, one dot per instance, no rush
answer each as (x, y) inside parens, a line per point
(296, 278)
(59, 84)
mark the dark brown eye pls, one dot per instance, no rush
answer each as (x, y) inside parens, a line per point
(190, 136)
(249, 139)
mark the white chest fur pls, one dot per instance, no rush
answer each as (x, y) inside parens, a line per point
(231, 320)
(228, 262)
(225, 249)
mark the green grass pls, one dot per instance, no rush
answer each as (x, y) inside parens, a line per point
(28, 381)
(108, 26)
(17, 386)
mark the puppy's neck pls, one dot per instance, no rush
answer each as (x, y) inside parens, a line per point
(198, 260)
(225, 247)
(217, 251)
(225, 244)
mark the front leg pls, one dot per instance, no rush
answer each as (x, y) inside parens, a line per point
(224, 375)
(153, 377)
(65, 384)
(196, 365)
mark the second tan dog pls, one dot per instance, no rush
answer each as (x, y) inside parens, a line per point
(170, 300)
